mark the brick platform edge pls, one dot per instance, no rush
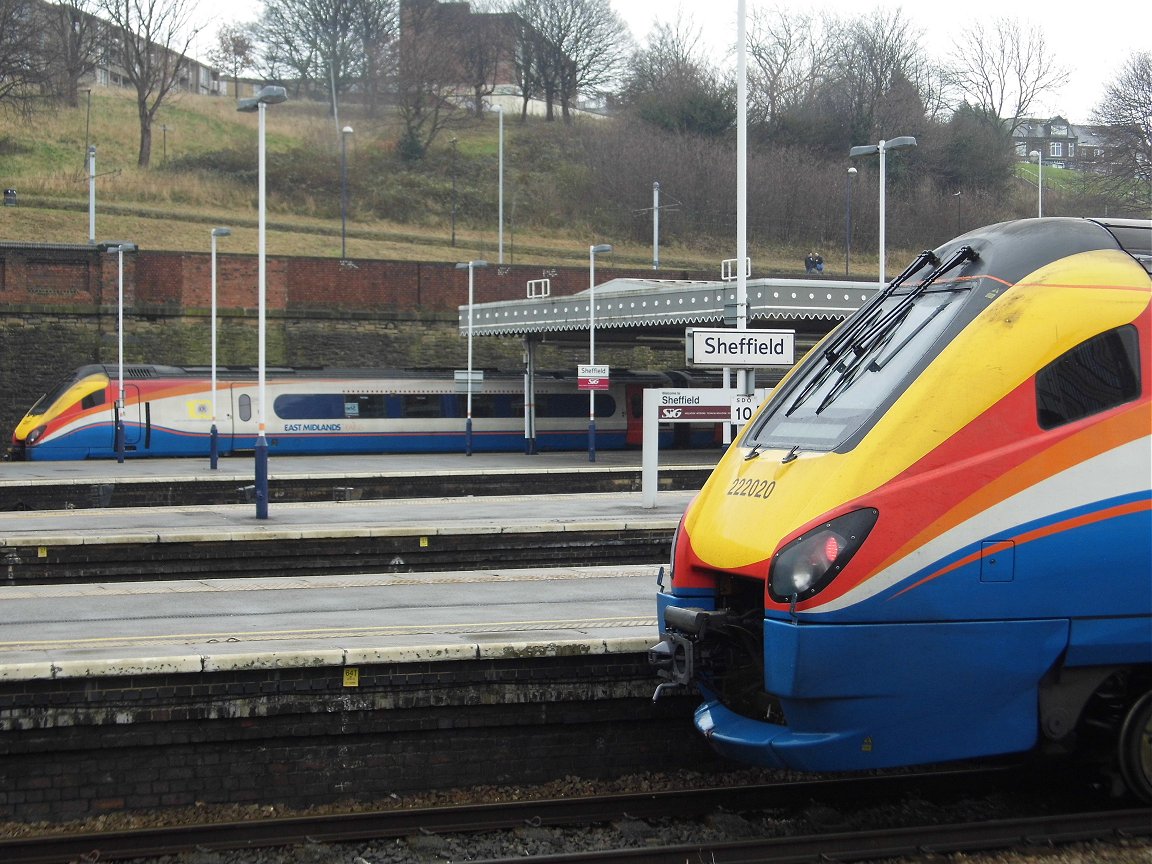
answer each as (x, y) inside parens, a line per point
(77, 740)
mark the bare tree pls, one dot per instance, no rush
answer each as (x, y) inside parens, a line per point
(1125, 118)
(287, 50)
(671, 84)
(583, 48)
(1003, 70)
(75, 45)
(486, 47)
(787, 62)
(234, 51)
(328, 44)
(154, 38)
(24, 70)
(429, 73)
(376, 22)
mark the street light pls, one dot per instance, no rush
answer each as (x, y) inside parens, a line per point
(499, 109)
(882, 148)
(453, 143)
(848, 217)
(213, 443)
(958, 194)
(344, 133)
(270, 95)
(1038, 157)
(92, 194)
(592, 253)
(470, 266)
(119, 248)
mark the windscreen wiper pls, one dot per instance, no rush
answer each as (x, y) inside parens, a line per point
(883, 330)
(865, 322)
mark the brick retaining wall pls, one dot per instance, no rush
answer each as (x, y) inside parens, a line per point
(73, 747)
(59, 308)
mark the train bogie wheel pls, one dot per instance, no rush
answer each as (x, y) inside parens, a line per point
(1134, 749)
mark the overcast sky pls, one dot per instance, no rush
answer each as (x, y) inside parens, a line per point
(1092, 46)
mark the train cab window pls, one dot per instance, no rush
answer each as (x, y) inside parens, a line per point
(833, 398)
(93, 399)
(1096, 375)
(244, 407)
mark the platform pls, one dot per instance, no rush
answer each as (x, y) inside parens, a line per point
(165, 482)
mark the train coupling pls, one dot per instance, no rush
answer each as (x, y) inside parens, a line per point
(674, 656)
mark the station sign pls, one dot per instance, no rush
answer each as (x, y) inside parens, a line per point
(592, 377)
(695, 406)
(741, 349)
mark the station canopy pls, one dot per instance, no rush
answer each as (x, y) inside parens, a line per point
(656, 312)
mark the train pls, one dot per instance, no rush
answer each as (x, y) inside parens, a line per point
(169, 411)
(933, 543)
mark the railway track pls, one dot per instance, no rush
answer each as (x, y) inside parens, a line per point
(330, 555)
(791, 804)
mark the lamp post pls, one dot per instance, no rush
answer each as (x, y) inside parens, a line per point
(882, 148)
(848, 216)
(92, 194)
(344, 133)
(119, 248)
(470, 266)
(270, 95)
(499, 109)
(1038, 158)
(958, 194)
(213, 435)
(453, 143)
(593, 251)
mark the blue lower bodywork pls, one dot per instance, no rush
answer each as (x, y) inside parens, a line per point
(863, 696)
(878, 696)
(98, 442)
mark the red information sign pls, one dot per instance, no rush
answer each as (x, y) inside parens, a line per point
(592, 377)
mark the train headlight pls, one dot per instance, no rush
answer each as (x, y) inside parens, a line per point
(809, 563)
(34, 436)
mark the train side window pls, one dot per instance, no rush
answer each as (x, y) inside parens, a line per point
(423, 405)
(310, 406)
(93, 399)
(495, 405)
(244, 407)
(366, 406)
(1098, 374)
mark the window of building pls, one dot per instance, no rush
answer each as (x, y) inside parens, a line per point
(1056, 148)
(1096, 375)
(1071, 149)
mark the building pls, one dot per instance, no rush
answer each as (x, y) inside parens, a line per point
(1062, 144)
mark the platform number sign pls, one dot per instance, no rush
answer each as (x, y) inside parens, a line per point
(743, 407)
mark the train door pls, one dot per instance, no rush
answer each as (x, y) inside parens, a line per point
(236, 423)
(634, 397)
(135, 431)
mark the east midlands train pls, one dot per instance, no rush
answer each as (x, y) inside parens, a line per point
(169, 411)
(934, 541)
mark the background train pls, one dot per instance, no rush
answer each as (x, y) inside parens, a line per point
(934, 541)
(169, 411)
